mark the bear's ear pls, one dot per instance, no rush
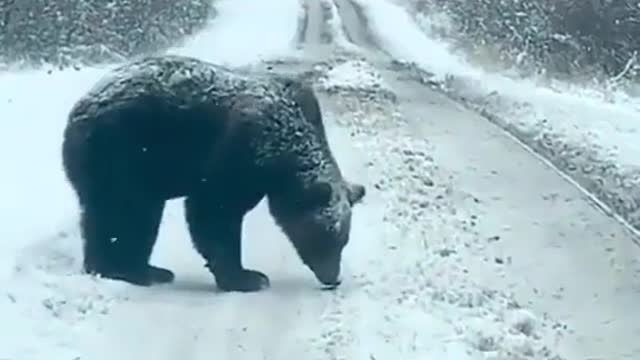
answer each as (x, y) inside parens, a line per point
(356, 193)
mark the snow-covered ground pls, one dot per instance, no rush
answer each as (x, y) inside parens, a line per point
(432, 259)
(245, 32)
(419, 272)
(592, 135)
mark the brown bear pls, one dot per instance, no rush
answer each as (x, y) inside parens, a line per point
(166, 127)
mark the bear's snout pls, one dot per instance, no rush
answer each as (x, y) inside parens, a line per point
(327, 271)
(330, 281)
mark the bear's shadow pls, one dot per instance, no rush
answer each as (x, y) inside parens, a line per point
(199, 285)
(195, 286)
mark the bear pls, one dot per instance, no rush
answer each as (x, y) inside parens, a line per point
(166, 127)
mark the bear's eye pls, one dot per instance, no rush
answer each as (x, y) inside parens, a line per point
(344, 230)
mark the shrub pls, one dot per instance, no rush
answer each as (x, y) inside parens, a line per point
(62, 32)
(574, 38)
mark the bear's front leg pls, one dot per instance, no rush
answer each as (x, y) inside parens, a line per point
(216, 232)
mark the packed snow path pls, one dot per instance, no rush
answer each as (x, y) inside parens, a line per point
(457, 218)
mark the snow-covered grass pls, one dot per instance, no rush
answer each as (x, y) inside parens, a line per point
(418, 253)
(352, 75)
(590, 134)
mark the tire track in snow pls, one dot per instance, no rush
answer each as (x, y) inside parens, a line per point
(303, 25)
(312, 28)
(354, 25)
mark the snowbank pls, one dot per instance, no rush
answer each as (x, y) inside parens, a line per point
(70, 32)
(245, 32)
(589, 136)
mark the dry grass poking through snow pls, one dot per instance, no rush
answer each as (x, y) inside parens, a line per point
(428, 214)
(569, 38)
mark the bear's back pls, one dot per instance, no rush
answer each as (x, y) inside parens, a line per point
(182, 82)
(175, 108)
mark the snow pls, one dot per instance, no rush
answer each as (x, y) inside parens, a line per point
(241, 23)
(354, 75)
(399, 35)
(407, 292)
(581, 130)
(34, 106)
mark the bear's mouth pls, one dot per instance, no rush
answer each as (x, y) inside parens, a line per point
(327, 286)
(331, 286)
(327, 271)
(328, 280)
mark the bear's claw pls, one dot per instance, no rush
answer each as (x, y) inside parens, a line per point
(152, 275)
(160, 275)
(243, 281)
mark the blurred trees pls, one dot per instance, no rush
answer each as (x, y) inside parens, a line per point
(582, 38)
(88, 31)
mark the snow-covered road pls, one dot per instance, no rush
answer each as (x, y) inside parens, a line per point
(467, 246)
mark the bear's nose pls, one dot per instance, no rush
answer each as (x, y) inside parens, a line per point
(327, 270)
(329, 276)
(332, 285)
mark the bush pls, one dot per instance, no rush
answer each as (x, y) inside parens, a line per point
(576, 38)
(63, 32)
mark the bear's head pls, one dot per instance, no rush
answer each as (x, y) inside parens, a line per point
(317, 220)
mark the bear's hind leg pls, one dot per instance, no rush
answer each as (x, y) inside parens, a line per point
(216, 233)
(119, 235)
